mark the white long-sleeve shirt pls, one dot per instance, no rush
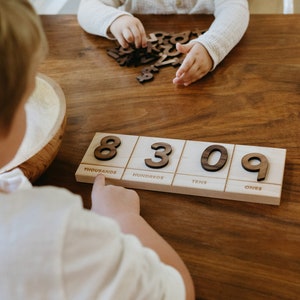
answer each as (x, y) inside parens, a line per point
(230, 24)
(53, 249)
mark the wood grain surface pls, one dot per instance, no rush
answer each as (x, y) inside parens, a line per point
(234, 250)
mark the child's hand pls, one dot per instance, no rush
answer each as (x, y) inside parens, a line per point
(113, 201)
(128, 30)
(196, 64)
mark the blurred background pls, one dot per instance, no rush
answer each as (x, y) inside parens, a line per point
(256, 6)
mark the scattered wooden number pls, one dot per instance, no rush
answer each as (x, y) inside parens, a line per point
(160, 51)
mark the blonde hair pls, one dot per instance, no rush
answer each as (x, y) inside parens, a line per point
(22, 46)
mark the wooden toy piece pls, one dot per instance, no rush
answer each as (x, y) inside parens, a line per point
(261, 167)
(114, 168)
(147, 74)
(107, 148)
(150, 69)
(211, 180)
(182, 38)
(270, 160)
(160, 36)
(235, 172)
(124, 51)
(145, 77)
(137, 173)
(148, 59)
(113, 53)
(170, 50)
(152, 38)
(164, 61)
(155, 48)
(122, 60)
(207, 153)
(163, 155)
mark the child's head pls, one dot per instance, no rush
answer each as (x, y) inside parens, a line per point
(22, 47)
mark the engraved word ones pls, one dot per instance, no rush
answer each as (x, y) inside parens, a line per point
(109, 144)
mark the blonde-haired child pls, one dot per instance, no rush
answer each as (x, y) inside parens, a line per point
(50, 247)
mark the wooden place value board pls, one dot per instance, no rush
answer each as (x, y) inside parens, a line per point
(227, 171)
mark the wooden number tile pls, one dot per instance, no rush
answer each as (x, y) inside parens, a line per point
(153, 163)
(203, 169)
(244, 183)
(111, 167)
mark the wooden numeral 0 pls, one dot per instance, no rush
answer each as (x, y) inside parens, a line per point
(261, 168)
(163, 155)
(219, 164)
(108, 148)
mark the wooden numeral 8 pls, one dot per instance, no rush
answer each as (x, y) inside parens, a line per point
(108, 148)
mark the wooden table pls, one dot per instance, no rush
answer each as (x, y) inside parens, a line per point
(234, 250)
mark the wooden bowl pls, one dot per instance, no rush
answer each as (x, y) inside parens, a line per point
(46, 120)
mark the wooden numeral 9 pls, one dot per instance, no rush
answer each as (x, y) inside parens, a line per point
(261, 168)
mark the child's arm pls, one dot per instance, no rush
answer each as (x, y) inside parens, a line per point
(106, 20)
(95, 17)
(123, 206)
(230, 24)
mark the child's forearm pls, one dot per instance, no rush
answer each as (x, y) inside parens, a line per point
(95, 17)
(230, 24)
(136, 225)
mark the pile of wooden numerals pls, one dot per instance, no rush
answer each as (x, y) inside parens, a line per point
(160, 51)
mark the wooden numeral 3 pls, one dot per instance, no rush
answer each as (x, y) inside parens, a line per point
(163, 155)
